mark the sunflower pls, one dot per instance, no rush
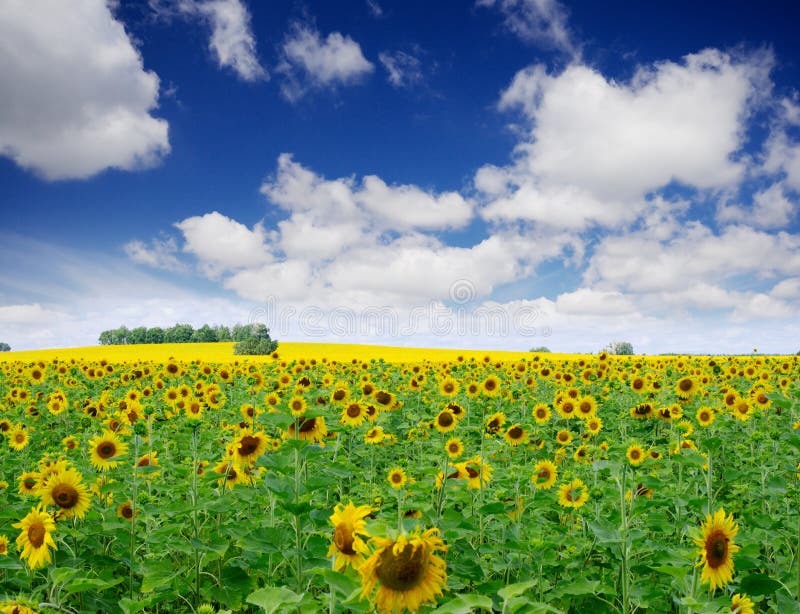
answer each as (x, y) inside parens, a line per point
(566, 408)
(448, 387)
(685, 388)
(309, 429)
(587, 407)
(742, 604)
(3, 545)
(495, 422)
(742, 410)
(409, 572)
(385, 398)
(445, 421)
(491, 386)
(397, 478)
(298, 406)
(594, 425)
(125, 511)
(563, 437)
(635, 454)
(541, 413)
(231, 473)
(103, 448)
(248, 446)
(18, 438)
(353, 415)
(29, 482)
(573, 494)
(66, 491)
(544, 475)
(347, 544)
(476, 471)
(454, 447)
(642, 411)
(582, 454)
(36, 539)
(515, 435)
(340, 394)
(69, 442)
(149, 460)
(374, 436)
(705, 416)
(717, 548)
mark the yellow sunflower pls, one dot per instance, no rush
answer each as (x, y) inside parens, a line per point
(541, 413)
(495, 422)
(742, 604)
(374, 436)
(544, 475)
(705, 416)
(104, 448)
(309, 429)
(594, 425)
(29, 482)
(477, 472)
(248, 446)
(35, 539)
(397, 478)
(491, 386)
(125, 511)
(353, 415)
(454, 447)
(406, 570)
(716, 548)
(18, 438)
(3, 545)
(448, 387)
(66, 491)
(349, 527)
(445, 421)
(635, 454)
(515, 435)
(573, 494)
(298, 406)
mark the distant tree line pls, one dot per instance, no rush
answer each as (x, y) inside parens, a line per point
(4, 347)
(249, 338)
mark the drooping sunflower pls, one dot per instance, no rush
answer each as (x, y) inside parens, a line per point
(104, 448)
(642, 411)
(66, 491)
(515, 435)
(309, 429)
(125, 511)
(406, 571)
(573, 494)
(544, 475)
(35, 539)
(3, 545)
(477, 472)
(716, 548)
(454, 447)
(635, 454)
(349, 528)
(354, 414)
(445, 421)
(541, 413)
(495, 422)
(742, 604)
(397, 478)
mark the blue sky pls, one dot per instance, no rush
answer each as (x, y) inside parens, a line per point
(497, 173)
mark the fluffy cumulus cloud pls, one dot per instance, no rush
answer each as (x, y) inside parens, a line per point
(161, 253)
(310, 61)
(74, 96)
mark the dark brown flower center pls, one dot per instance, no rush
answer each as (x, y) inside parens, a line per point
(515, 432)
(126, 511)
(338, 395)
(65, 496)
(383, 397)
(448, 388)
(402, 571)
(685, 385)
(490, 385)
(343, 538)
(445, 419)
(36, 533)
(354, 410)
(308, 425)
(248, 445)
(716, 549)
(106, 449)
(544, 475)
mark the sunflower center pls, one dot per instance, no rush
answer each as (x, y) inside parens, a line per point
(307, 426)
(338, 395)
(127, 511)
(472, 473)
(685, 385)
(106, 449)
(448, 388)
(635, 455)
(716, 549)
(65, 496)
(248, 445)
(515, 432)
(383, 397)
(490, 385)
(445, 419)
(354, 410)
(343, 538)
(544, 474)
(452, 448)
(36, 533)
(19, 437)
(569, 496)
(402, 571)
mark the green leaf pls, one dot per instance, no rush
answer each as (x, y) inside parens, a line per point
(759, 584)
(580, 587)
(85, 584)
(513, 590)
(465, 604)
(273, 598)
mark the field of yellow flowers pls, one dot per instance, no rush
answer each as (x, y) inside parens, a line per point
(337, 478)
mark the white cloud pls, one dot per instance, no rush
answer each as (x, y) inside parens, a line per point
(160, 254)
(542, 22)
(374, 8)
(74, 96)
(586, 301)
(771, 209)
(782, 152)
(403, 69)
(222, 244)
(308, 61)
(232, 40)
(672, 122)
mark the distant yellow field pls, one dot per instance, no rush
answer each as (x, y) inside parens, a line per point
(223, 352)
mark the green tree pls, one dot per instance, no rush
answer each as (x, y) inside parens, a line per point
(541, 349)
(4, 347)
(154, 335)
(620, 348)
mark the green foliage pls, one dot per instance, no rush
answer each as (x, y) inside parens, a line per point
(183, 333)
(620, 348)
(4, 347)
(542, 349)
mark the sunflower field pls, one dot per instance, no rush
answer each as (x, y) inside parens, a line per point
(453, 483)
